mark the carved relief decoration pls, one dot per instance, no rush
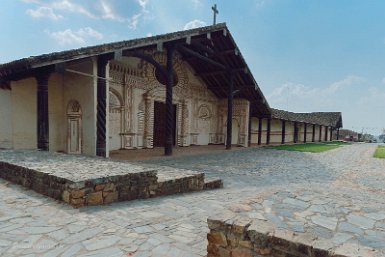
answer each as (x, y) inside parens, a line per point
(204, 112)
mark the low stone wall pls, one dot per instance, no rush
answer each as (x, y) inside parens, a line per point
(82, 181)
(111, 189)
(40, 182)
(244, 238)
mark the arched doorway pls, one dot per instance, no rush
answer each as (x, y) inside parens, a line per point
(115, 121)
(74, 127)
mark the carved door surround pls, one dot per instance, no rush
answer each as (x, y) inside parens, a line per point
(158, 95)
(74, 127)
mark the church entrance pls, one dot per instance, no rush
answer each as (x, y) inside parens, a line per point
(160, 124)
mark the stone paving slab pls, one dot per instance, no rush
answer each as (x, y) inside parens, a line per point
(288, 191)
(75, 168)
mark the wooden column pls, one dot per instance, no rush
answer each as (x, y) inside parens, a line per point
(42, 111)
(283, 132)
(331, 133)
(249, 134)
(230, 111)
(304, 132)
(169, 108)
(260, 120)
(101, 148)
(338, 133)
(268, 131)
(313, 135)
(326, 133)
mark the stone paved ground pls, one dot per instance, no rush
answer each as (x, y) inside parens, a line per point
(337, 195)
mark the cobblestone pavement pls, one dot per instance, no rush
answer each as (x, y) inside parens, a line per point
(337, 195)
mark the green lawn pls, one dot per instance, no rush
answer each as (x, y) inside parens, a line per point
(312, 148)
(337, 143)
(380, 152)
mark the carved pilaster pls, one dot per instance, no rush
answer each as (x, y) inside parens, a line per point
(148, 122)
(185, 124)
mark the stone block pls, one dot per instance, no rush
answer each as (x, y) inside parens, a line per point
(215, 224)
(212, 249)
(241, 252)
(217, 238)
(100, 187)
(109, 187)
(66, 196)
(263, 250)
(110, 197)
(95, 198)
(77, 203)
(77, 193)
(223, 252)
(245, 244)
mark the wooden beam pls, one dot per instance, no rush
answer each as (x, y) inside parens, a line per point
(227, 52)
(217, 72)
(201, 57)
(147, 58)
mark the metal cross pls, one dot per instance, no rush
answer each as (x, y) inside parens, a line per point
(215, 10)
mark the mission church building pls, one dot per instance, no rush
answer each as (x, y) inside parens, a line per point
(186, 88)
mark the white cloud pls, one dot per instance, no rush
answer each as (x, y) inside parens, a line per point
(194, 24)
(79, 37)
(197, 2)
(360, 102)
(108, 12)
(133, 21)
(346, 82)
(31, 1)
(44, 12)
(143, 3)
(301, 98)
(68, 5)
(149, 35)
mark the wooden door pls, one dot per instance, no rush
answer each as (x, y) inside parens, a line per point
(160, 124)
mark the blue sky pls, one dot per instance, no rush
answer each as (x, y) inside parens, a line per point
(306, 55)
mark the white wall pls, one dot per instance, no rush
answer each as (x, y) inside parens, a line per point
(275, 131)
(57, 114)
(82, 89)
(6, 140)
(24, 113)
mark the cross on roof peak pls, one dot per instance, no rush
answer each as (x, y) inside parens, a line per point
(215, 11)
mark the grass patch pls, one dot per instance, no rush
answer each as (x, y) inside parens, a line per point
(337, 143)
(312, 148)
(380, 152)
